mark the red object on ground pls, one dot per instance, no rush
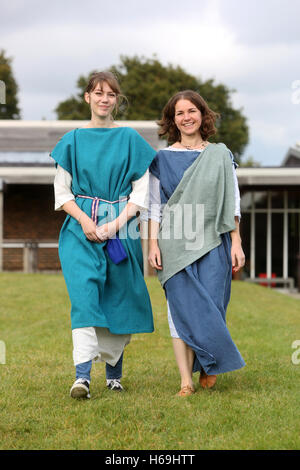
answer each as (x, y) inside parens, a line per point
(262, 275)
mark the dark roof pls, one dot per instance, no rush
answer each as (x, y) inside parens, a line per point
(292, 158)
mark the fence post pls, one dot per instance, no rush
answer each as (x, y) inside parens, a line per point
(30, 257)
(298, 271)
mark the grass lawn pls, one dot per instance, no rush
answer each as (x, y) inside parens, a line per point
(256, 407)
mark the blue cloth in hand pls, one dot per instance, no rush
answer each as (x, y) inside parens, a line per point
(116, 250)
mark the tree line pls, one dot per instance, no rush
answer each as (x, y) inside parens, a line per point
(147, 84)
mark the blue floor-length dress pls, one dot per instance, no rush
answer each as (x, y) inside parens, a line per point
(198, 295)
(103, 162)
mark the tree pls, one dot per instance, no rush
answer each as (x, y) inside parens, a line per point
(75, 107)
(10, 109)
(232, 125)
(148, 85)
(250, 163)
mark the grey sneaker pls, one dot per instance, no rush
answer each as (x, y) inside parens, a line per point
(114, 384)
(80, 389)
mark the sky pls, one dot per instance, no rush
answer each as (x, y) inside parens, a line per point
(251, 46)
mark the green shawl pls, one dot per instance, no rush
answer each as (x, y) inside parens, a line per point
(198, 212)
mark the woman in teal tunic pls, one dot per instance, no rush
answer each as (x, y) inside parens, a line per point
(102, 182)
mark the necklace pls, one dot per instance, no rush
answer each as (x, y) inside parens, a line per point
(202, 145)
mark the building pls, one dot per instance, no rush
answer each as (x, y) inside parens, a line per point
(270, 226)
(29, 226)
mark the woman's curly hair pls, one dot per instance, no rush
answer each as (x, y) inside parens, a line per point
(167, 124)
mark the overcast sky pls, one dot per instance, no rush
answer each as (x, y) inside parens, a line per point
(252, 46)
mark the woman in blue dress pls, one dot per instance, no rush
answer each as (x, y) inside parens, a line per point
(102, 184)
(194, 241)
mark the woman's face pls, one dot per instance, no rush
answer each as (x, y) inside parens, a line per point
(187, 117)
(102, 100)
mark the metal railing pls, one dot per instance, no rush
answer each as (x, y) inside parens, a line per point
(290, 281)
(30, 251)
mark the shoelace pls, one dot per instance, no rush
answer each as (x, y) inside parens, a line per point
(82, 381)
(114, 383)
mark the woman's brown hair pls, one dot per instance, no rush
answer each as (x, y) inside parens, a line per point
(167, 124)
(108, 77)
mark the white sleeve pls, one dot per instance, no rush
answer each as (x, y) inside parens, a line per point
(237, 211)
(140, 192)
(155, 209)
(62, 188)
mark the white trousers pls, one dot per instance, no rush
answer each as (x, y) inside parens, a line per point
(97, 344)
(173, 331)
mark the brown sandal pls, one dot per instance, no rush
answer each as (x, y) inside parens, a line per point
(185, 391)
(211, 380)
(203, 379)
(207, 381)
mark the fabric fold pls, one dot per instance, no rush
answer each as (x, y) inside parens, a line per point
(198, 297)
(199, 210)
(103, 163)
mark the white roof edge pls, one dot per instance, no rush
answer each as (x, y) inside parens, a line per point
(279, 171)
(282, 171)
(26, 170)
(63, 124)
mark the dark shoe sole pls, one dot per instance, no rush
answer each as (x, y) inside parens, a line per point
(79, 392)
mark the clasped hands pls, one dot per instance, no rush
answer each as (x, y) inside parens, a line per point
(98, 234)
(106, 231)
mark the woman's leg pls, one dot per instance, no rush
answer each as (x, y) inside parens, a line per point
(83, 370)
(81, 386)
(115, 372)
(84, 348)
(184, 356)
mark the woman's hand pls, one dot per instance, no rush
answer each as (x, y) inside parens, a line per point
(106, 231)
(154, 256)
(89, 228)
(237, 256)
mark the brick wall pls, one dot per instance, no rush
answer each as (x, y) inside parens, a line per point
(48, 259)
(29, 215)
(13, 259)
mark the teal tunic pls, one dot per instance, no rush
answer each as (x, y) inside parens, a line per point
(103, 163)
